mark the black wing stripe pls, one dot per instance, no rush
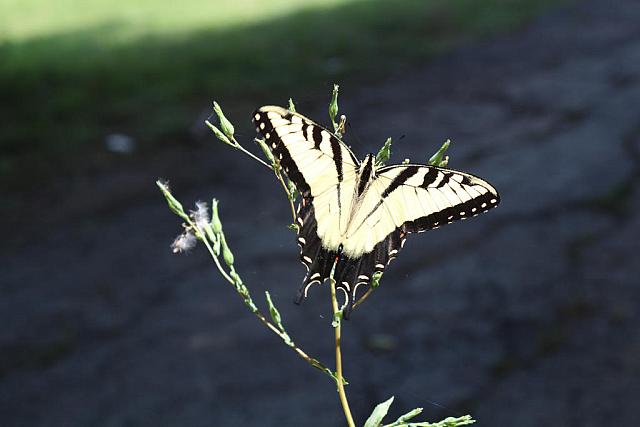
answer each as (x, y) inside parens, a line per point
(430, 177)
(354, 276)
(316, 259)
(366, 174)
(400, 179)
(317, 136)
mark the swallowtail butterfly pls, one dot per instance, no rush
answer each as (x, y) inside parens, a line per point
(355, 214)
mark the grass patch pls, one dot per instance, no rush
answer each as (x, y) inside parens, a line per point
(72, 73)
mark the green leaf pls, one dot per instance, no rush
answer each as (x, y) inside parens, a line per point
(333, 106)
(385, 152)
(218, 133)
(379, 412)
(174, 204)
(438, 158)
(292, 107)
(225, 124)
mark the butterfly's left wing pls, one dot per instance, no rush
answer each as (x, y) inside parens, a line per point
(406, 199)
(324, 171)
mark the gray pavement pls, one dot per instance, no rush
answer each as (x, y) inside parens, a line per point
(526, 316)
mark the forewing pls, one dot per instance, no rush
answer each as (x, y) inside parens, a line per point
(323, 170)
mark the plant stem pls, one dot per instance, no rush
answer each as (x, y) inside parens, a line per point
(276, 170)
(312, 361)
(338, 330)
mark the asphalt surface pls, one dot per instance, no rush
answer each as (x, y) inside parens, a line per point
(525, 316)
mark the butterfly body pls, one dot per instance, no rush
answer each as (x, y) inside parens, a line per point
(356, 215)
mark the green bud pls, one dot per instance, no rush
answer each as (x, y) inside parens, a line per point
(225, 124)
(275, 314)
(385, 152)
(293, 226)
(227, 255)
(209, 232)
(409, 415)
(292, 107)
(375, 280)
(266, 150)
(216, 244)
(218, 133)
(216, 225)
(293, 192)
(406, 161)
(333, 105)
(337, 318)
(174, 204)
(237, 280)
(437, 158)
(287, 339)
(340, 131)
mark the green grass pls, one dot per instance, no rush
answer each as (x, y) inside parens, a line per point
(72, 72)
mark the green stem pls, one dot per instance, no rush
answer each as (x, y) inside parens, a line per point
(263, 319)
(338, 337)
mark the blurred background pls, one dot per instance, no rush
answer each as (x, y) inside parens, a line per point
(525, 316)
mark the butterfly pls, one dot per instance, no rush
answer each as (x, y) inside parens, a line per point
(354, 215)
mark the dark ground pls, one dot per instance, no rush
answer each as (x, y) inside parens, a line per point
(527, 316)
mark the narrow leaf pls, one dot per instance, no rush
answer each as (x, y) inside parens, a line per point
(292, 107)
(379, 412)
(225, 124)
(218, 133)
(174, 204)
(385, 152)
(266, 150)
(333, 105)
(437, 158)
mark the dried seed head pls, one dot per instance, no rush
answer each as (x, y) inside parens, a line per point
(201, 215)
(184, 242)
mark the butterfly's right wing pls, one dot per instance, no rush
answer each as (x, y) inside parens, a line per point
(406, 199)
(324, 171)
